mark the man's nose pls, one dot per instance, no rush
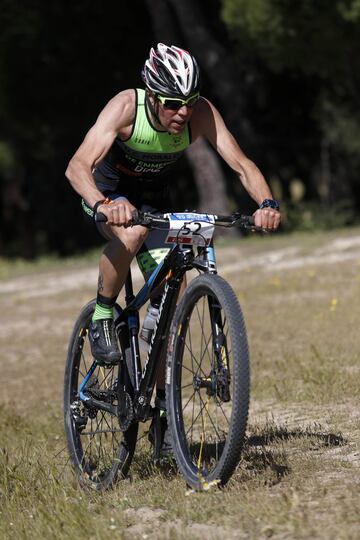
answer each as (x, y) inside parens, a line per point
(184, 110)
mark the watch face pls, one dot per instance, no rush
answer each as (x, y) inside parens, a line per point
(270, 203)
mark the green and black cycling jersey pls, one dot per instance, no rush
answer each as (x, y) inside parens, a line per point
(147, 154)
(136, 168)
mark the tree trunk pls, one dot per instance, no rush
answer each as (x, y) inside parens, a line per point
(209, 178)
(216, 61)
(207, 171)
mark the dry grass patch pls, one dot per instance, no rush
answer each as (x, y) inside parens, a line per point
(299, 476)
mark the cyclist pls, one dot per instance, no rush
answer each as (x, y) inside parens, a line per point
(124, 161)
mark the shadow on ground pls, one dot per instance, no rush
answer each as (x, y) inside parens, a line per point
(262, 453)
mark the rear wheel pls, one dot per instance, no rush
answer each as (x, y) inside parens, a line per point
(207, 382)
(98, 448)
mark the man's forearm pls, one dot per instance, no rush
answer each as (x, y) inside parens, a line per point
(83, 183)
(255, 183)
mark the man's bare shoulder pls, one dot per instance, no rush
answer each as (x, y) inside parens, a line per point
(201, 117)
(119, 112)
(124, 99)
(203, 106)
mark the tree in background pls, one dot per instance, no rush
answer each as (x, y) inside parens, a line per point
(308, 52)
(59, 64)
(209, 178)
(284, 75)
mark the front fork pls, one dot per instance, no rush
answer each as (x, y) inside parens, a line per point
(221, 370)
(207, 254)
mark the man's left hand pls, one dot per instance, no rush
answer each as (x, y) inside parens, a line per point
(267, 218)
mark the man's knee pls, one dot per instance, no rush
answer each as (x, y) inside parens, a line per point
(131, 237)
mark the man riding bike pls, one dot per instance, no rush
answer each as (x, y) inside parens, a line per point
(124, 163)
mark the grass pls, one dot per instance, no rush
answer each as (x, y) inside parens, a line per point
(299, 476)
(17, 267)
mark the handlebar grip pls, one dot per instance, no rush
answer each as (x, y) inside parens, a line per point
(250, 220)
(136, 217)
(242, 220)
(100, 217)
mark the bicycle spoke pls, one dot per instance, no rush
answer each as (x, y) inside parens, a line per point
(101, 431)
(183, 387)
(192, 422)
(193, 359)
(187, 403)
(207, 412)
(203, 339)
(222, 410)
(199, 414)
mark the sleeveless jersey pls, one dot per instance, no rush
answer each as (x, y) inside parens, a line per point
(147, 153)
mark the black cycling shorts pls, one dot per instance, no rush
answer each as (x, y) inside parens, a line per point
(146, 198)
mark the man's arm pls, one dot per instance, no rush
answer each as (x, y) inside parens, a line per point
(117, 115)
(208, 122)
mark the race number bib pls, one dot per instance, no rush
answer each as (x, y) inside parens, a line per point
(190, 228)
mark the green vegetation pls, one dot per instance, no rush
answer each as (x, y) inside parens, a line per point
(283, 74)
(299, 474)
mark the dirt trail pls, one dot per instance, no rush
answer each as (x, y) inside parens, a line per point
(304, 397)
(35, 303)
(289, 258)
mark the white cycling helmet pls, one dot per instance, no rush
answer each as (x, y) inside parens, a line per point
(171, 71)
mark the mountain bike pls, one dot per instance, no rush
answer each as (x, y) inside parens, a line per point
(207, 366)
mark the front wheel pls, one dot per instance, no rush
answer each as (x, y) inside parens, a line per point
(207, 382)
(98, 448)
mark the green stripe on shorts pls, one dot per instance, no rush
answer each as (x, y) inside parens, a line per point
(148, 260)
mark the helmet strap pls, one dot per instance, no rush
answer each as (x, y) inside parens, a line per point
(152, 108)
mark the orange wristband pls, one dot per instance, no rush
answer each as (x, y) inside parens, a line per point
(102, 201)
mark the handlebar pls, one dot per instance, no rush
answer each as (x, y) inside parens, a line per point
(152, 221)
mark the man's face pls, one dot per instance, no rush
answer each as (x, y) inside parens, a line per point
(173, 113)
(174, 121)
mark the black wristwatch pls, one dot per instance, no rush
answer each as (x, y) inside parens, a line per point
(270, 203)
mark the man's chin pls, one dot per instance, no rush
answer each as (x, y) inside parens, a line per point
(175, 129)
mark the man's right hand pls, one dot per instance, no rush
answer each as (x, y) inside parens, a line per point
(118, 212)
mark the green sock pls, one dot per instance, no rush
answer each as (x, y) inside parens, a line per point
(104, 307)
(102, 312)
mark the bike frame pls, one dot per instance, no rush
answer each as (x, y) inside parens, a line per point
(169, 272)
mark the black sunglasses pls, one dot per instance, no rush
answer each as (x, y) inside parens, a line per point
(176, 103)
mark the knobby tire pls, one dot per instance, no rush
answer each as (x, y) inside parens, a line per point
(207, 417)
(99, 451)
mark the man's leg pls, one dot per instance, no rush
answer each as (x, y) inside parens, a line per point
(113, 269)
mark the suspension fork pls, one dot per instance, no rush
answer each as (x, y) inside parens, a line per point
(219, 339)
